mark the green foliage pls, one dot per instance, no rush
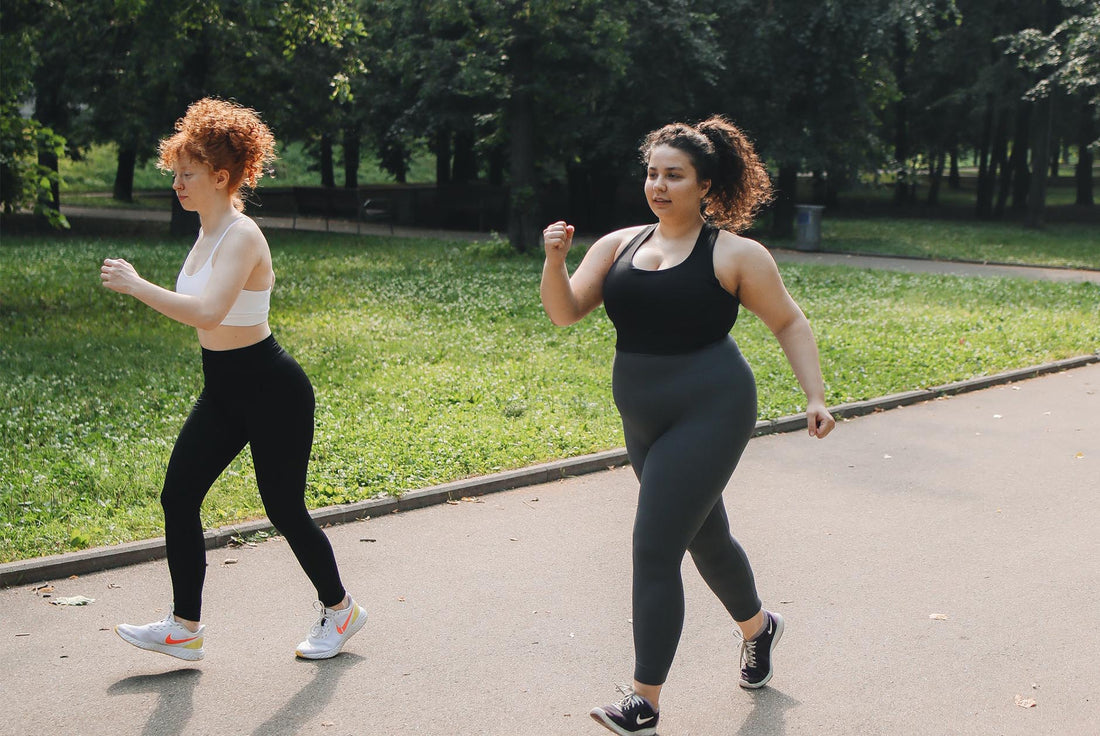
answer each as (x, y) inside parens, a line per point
(431, 362)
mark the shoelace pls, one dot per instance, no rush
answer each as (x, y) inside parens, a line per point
(748, 653)
(748, 650)
(317, 631)
(630, 698)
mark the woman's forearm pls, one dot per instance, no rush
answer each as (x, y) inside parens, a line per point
(797, 341)
(557, 293)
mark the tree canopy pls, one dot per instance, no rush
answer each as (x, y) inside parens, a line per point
(549, 98)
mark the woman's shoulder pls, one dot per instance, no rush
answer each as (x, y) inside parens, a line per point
(614, 242)
(732, 246)
(737, 257)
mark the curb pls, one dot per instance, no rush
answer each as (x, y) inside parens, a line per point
(129, 553)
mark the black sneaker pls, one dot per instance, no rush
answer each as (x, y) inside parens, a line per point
(631, 716)
(756, 655)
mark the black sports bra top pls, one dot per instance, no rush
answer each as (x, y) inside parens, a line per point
(673, 310)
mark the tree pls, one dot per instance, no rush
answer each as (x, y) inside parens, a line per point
(1065, 56)
(24, 180)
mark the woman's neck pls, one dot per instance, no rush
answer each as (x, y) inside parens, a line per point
(672, 229)
(217, 217)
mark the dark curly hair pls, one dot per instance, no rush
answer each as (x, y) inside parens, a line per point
(223, 135)
(720, 152)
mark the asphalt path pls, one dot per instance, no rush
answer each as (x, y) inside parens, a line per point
(938, 566)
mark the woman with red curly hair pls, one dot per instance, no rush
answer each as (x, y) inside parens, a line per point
(686, 395)
(254, 393)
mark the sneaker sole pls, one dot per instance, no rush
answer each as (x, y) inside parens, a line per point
(189, 655)
(600, 717)
(352, 630)
(775, 640)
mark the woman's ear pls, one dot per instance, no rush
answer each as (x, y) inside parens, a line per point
(221, 178)
(705, 186)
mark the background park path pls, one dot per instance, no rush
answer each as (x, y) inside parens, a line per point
(938, 566)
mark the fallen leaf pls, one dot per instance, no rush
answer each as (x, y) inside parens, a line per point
(1025, 702)
(938, 616)
(327, 723)
(43, 590)
(75, 600)
(512, 539)
(367, 539)
(1079, 455)
(73, 577)
(452, 502)
(472, 499)
(230, 561)
(113, 586)
(400, 599)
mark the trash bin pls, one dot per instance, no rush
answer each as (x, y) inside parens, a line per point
(807, 226)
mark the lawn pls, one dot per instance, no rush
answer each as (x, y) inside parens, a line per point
(432, 361)
(1064, 244)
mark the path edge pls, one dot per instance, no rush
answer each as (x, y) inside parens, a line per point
(52, 567)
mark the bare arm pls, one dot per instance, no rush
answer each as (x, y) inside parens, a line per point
(568, 299)
(746, 269)
(239, 255)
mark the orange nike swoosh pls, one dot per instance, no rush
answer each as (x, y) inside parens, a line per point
(169, 640)
(341, 629)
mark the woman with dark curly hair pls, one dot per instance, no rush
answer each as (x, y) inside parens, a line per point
(686, 395)
(254, 393)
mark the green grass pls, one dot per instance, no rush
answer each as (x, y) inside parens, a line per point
(431, 360)
(95, 172)
(1071, 245)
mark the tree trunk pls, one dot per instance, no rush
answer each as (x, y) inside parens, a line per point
(328, 175)
(1055, 152)
(1000, 163)
(124, 173)
(351, 157)
(1086, 133)
(1040, 155)
(953, 179)
(465, 158)
(1021, 176)
(903, 185)
(442, 149)
(984, 207)
(523, 226)
(783, 207)
(184, 223)
(936, 161)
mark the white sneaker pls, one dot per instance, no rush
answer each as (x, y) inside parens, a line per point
(327, 636)
(167, 637)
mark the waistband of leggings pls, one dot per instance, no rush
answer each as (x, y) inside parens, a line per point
(241, 357)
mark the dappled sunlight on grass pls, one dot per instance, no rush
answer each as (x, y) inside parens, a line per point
(431, 362)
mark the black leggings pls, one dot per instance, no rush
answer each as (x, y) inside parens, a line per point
(257, 395)
(687, 419)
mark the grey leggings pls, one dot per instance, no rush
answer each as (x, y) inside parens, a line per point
(687, 419)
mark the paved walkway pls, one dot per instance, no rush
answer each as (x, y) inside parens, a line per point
(935, 563)
(831, 259)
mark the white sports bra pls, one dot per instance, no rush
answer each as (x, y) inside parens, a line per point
(251, 307)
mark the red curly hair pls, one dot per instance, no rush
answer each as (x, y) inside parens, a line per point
(225, 136)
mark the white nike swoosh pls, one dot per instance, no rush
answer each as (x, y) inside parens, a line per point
(643, 721)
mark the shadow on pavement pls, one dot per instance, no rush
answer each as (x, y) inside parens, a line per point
(768, 714)
(310, 700)
(175, 698)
